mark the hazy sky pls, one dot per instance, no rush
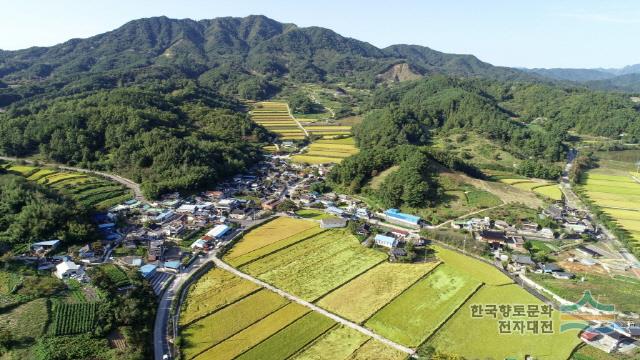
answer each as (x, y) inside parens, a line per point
(543, 33)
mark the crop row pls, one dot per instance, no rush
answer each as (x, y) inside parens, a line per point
(73, 318)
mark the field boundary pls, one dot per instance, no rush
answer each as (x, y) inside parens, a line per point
(218, 309)
(277, 250)
(244, 328)
(440, 262)
(221, 264)
(453, 313)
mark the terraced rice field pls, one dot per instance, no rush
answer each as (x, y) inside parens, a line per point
(406, 303)
(415, 314)
(313, 267)
(86, 189)
(454, 336)
(619, 197)
(548, 190)
(275, 117)
(214, 290)
(327, 151)
(360, 298)
(263, 325)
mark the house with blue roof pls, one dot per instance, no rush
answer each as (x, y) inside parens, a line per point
(394, 216)
(386, 241)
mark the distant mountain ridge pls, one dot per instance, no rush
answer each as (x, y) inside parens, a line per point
(253, 45)
(621, 79)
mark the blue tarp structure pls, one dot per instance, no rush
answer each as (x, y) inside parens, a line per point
(396, 214)
(172, 264)
(148, 270)
(386, 241)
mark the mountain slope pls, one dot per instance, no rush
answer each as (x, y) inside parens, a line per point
(255, 50)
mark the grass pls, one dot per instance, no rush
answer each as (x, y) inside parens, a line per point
(254, 334)
(625, 295)
(27, 320)
(289, 340)
(269, 233)
(313, 214)
(415, 314)
(553, 192)
(311, 268)
(474, 268)
(215, 289)
(375, 350)
(9, 281)
(360, 298)
(489, 343)
(339, 343)
(377, 180)
(482, 199)
(215, 328)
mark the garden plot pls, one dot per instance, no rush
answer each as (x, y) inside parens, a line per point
(315, 266)
(360, 298)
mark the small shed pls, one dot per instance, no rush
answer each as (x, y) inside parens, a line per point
(332, 223)
(148, 270)
(66, 269)
(386, 241)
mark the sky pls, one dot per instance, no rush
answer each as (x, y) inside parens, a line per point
(517, 33)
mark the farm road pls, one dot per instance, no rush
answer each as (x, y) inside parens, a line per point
(222, 265)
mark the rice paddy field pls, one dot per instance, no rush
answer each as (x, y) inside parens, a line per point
(549, 190)
(410, 304)
(275, 117)
(86, 189)
(328, 151)
(618, 196)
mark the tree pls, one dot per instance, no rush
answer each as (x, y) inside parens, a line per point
(286, 205)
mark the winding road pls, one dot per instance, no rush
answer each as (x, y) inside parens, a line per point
(135, 187)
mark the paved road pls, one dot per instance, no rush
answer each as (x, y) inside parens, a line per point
(161, 326)
(135, 187)
(574, 201)
(222, 265)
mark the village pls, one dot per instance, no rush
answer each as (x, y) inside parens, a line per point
(161, 238)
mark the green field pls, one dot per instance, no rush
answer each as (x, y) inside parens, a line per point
(340, 342)
(553, 192)
(215, 289)
(313, 267)
(473, 268)
(360, 298)
(622, 293)
(415, 314)
(289, 340)
(73, 318)
(208, 332)
(454, 337)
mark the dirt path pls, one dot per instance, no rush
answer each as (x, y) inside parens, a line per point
(135, 187)
(296, 120)
(222, 265)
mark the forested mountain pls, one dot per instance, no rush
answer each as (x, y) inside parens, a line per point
(239, 56)
(578, 75)
(158, 99)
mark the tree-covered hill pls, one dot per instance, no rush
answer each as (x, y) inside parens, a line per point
(168, 137)
(247, 56)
